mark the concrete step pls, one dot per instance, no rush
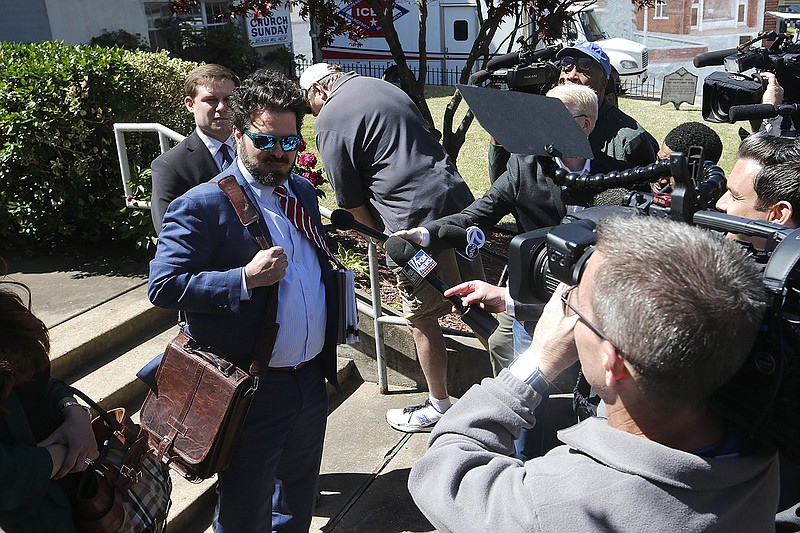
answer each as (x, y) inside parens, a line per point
(112, 381)
(94, 334)
(365, 466)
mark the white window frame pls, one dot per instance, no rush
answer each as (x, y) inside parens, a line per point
(659, 10)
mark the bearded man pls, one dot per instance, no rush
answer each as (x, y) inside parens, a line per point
(210, 267)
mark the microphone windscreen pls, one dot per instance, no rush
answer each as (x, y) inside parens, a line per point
(479, 77)
(400, 250)
(712, 58)
(505, 60)
(342, 219)
(454, 236)
(756, 111)
(610, 197)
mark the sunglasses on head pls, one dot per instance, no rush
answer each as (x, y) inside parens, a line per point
(583, 64)
(266, 142)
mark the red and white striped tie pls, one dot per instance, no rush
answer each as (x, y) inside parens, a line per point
(299, 217)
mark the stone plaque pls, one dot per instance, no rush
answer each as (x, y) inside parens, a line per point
(678, 87)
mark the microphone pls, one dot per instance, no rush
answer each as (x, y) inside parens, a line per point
(344, 220)
(479, 77)
(468, 242)
(713, 58)
(759, 111)
(505, 60)
(418, 266)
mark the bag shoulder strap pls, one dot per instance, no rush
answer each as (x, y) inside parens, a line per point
(248, 216)
(247, 213)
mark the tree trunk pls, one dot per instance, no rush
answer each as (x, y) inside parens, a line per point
(414, 88)
(454, 139)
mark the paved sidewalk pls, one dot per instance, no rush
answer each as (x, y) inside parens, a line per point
(64, 287)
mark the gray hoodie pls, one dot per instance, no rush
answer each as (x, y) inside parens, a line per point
(602, 479)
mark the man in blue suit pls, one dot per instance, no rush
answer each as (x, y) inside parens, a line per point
(210, 267)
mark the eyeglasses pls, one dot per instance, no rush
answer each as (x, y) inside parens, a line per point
(583, 64)
(570, 309)
(266, 142)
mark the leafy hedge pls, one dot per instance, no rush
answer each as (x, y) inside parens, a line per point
(59, 173)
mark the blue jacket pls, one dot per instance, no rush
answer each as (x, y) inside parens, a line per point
(197, 269)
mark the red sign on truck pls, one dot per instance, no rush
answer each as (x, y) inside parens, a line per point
(361, 13)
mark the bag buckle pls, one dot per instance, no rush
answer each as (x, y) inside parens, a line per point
(254, 388)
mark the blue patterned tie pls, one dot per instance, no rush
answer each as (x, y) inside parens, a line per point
(226, 156)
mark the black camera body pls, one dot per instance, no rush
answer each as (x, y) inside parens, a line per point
(537, 78)
(724, 90)
(764, 396)
(529, 70)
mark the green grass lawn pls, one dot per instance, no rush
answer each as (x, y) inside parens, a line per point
(657, 119)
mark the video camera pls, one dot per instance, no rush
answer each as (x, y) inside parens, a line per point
(764, 396)
(529, 70)
(731, 95)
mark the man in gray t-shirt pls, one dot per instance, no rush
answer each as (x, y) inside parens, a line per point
(391, 173)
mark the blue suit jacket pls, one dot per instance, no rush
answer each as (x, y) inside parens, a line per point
(197, 269)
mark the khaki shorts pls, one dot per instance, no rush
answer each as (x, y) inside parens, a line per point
(424, 303)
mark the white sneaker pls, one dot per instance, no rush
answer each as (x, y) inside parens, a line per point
(414, 419)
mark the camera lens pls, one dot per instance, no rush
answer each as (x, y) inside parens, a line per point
(722, 105)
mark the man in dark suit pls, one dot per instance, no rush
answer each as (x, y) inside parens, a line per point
(209, 148)
(209, 266)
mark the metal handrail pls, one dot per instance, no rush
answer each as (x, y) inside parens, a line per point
(164, 135)
(375, 312)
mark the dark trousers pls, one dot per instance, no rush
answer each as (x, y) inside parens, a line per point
(282, 439)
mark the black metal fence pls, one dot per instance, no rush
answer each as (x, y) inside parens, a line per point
(636, 88)
(388, 70)
(631, 87)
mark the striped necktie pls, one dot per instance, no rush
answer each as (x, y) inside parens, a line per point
(298, 216)
(226, 156)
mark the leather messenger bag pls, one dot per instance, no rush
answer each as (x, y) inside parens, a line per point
(195, 412)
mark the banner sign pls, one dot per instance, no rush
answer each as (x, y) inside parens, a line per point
(263, 30)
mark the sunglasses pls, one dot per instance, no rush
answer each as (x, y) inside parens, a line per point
(266, 142)
(583, 64)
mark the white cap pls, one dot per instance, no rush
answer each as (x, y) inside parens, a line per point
(313, 74)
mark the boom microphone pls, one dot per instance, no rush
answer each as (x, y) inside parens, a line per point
(344, 220)
(711, 59)
(759, 111)
(418, 264)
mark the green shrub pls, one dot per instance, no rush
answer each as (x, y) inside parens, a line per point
(225, 45)
(61, 186)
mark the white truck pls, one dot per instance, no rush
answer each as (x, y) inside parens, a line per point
(451, 29)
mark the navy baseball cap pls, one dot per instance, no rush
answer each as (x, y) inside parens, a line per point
(590, 50)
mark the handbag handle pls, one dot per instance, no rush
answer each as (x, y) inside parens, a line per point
(102, 413)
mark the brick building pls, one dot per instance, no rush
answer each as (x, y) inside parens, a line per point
(699, 17)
